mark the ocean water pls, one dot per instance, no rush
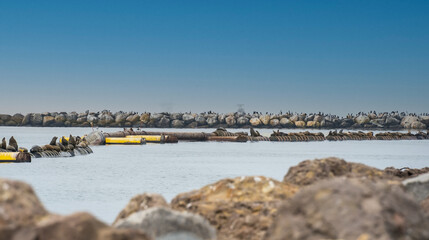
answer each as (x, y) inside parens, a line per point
(102, 183)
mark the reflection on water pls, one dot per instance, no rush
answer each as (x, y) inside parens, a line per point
(102, 183)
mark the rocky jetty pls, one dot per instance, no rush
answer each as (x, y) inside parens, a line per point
(317, 199)
(371, 120)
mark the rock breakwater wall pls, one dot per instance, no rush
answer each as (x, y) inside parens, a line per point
(372, 120)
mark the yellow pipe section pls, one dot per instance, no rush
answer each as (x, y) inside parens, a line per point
(8, 156)
(121, 140)
(148, 138)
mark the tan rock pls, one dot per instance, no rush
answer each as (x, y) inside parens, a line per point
(300, 124)
(240, 208)
(311, 171)
(255, 122)
(265, 119)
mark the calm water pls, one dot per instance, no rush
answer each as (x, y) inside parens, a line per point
(102, 183)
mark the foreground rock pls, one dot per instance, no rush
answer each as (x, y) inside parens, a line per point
(160, 222)
(19, 205)
(142, 202)
(311, 171)
(23, 217)
(418, 186)
(240, 208)
(342, 208)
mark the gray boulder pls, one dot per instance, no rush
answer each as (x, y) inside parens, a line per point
(343, 208)
(164, 223)
(177, 123)
(60, 118)
(200, 120)
(242, 121)
(26, 120)
(418, 186)
(17, 118)
(36, 119)
(176, 116)
(188, 118)
(361, 120)
(120, 117)
(230, 120)
(71, 117)
(211, 121)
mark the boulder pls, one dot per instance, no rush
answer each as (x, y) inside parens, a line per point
(60, 118)
(408, 120)
(106, 119)
(211, 121)
(405, 173)
(17, 118)
(362, 119)
(159, 222)
(201, 120)
(91, 118)
(318, 118)
(424, 120)
(177, 124)
(285, 122)
(156, 116)
(418, 186)
(221, 118)
(81, 120)
(230, 121)
(274, 122)
(78, 226)
(313, 124)
(142, 202)
(265, 119)
(71, 117)
(36, 119)
(48, 120)
(5, 117)
(145, 118)
(164, 122)
(240, 208)
(188, 118)
(342, 208)
(176, 116)
(19, 204)
(26, 120)
(418, 125)
(392, 121)
(425, 205)
(294, 118)
(242, 121)
(255, 122)
(120, 117)
(311, 171)
(300, 124)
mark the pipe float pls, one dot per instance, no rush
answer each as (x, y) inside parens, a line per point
(156, 138)
(15, 157)
(227, 138)
(123, 140)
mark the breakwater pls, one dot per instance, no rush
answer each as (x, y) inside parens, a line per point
(371, 120)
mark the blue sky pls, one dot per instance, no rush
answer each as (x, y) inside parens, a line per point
(305, 56)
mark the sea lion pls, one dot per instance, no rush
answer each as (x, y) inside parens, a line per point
(3, 143)
(13, 143)
(53, 141)
(49, 147)
(64, 141)
(62, 147)
(36, 149)
(11, 148)
(72, 141)
(253, 133)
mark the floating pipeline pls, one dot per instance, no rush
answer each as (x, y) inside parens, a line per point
(125, 140)
(14, 157)
(65, 147)
(150, 138)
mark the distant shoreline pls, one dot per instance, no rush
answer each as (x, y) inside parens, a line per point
(360, 121)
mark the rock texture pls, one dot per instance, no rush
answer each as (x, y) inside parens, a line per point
(142, 202)
(159, 221)
(418, 186)
(23, 217)
(311, 171)
(239, 208)
(342, 208)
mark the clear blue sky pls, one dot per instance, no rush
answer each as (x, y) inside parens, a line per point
(306, 56)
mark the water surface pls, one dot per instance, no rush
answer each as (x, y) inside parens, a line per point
(102, 183)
